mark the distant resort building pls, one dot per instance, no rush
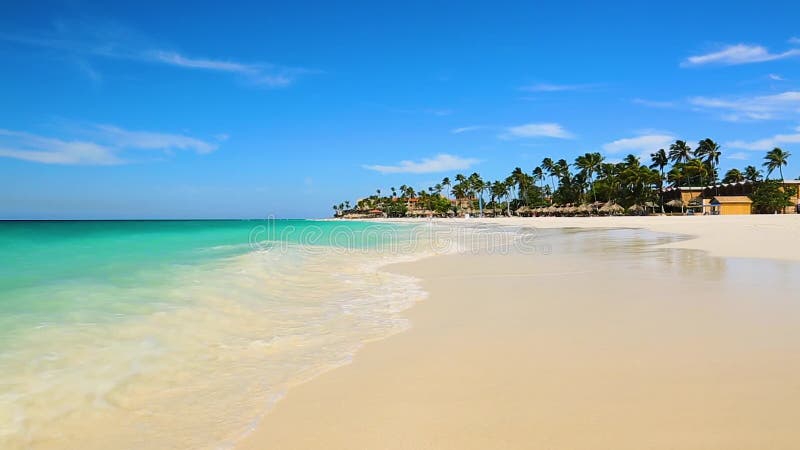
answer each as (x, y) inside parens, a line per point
(721, 199)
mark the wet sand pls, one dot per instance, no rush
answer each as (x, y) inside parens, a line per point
(604, 339)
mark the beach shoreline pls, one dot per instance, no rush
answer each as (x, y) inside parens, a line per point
(509, 351)
(747, 236)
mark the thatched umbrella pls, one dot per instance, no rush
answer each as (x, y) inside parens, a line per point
(635, 209)
(570, 210)
(612, 208)
(584, 209)
(676, 203)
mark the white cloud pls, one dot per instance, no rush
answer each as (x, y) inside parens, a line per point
(176, 59)
(261, 74)
(753, 108)
(654, 103)
(767, 143)
(794, 40)
(439, 163)
(110, 40)
(107, 146)
(643, 145)
(738, 156)
(34, 148)
(776, 77)
(466, 129)
(148, 140)
(534, 130)
(550, 87)
(738, 54)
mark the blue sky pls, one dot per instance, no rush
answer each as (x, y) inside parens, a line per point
(156, 110)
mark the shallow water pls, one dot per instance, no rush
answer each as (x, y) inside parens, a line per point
(181, 334)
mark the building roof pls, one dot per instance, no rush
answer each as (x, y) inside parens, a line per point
(722, 199)
(685, 188)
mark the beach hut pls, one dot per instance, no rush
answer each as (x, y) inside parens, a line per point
(731, 205)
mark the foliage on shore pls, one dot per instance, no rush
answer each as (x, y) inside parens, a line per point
(589, 179)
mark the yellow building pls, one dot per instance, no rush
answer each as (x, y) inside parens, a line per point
(731, 204)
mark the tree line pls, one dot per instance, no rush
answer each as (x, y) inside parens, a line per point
(588, 179)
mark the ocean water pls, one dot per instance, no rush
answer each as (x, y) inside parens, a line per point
(182, 334)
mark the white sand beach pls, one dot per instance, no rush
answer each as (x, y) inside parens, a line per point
(613, 339)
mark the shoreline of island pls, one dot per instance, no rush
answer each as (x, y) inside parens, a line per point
(468, 373)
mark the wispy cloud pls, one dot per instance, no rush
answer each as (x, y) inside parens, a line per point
(112, 41)
(439, 163)
(552, 87)
(441, 112)
(149, 140)
(738, 156)
(738, 54)
(100, 145)
(654, 103)
(776, 77)
(764, 107)
(535, 130)
(794, 40)
(642, 145)
(767, 143)
(467, 129)
(35, 148)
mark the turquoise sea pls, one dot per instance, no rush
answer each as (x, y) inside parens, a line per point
(182, 334)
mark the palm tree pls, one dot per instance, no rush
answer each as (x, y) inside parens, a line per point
(695, 169)
(550, 168)
(478, 185)
(589, 164)
(446, 184)
(751, 173)
(538, 175)
(609, 173)
(708, 150)
(660, 160)
(680, 152)
(776, 159)
(522, 182)
(498, 190)
(733, 176)
(632, 161)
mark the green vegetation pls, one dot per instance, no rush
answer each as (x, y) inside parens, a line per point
(769, 198)
(589, 179)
